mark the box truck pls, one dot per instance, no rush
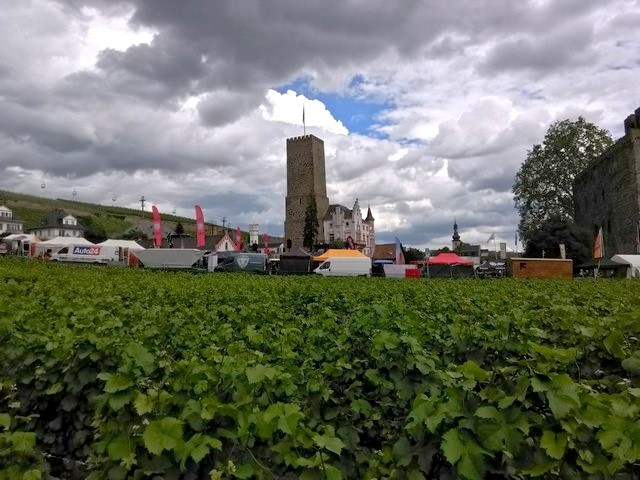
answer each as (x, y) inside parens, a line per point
(345, 267)
(87, 254)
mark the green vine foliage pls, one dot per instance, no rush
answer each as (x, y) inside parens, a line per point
(117, 373)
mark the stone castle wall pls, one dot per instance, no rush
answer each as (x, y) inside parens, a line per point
(305, 177)
(607, 194)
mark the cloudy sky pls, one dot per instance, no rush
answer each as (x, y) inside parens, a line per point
(427, 107)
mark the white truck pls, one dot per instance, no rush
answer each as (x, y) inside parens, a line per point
(97, 254)
(345, 267)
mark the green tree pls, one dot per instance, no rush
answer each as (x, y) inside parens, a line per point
(411, 254)
(134, 234)
(92, 230)
(554, 232)
(179, 228)
(311, 225)
(543, 188)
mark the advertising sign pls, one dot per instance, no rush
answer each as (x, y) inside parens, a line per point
(86, 250)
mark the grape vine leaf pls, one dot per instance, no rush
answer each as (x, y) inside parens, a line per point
(164, 434)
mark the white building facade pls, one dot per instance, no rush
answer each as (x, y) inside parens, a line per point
(9, 224)
(340, 223)
(58, 224)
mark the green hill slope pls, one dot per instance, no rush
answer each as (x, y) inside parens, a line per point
(112, 221)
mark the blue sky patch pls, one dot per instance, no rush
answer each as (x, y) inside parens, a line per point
(359, 115)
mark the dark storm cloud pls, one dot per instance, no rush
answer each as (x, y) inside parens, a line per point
(560, 49)
(26, 126)
(223, 107)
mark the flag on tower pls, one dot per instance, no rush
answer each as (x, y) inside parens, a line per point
(492, 237)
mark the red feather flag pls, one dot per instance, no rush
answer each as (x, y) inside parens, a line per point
(238, 239)
(157, 227)
(266, 243)
(200, 241)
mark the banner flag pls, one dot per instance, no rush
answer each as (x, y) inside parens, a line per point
(157, 227)
(265, 237)
(598, 245)
(238, 239)
(492, 237)
(398, 252)
(200, 241)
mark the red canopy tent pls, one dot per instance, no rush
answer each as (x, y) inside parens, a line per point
(449, 259)
(449, 265)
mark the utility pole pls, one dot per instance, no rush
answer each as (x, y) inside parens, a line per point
(142, 200)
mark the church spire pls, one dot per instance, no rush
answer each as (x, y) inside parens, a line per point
(369, 216)
(455, 237)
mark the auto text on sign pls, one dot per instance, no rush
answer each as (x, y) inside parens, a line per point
(86, 250)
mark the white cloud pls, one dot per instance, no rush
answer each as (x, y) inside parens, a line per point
(288, 108)
(176, 101)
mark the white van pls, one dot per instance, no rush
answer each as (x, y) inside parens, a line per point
(87, 254)
(345, 267)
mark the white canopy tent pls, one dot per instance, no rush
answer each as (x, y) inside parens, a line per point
(25, 237)
(57, 243)
(633, 262)
(19, 243)
(64, 241)
(130, 244)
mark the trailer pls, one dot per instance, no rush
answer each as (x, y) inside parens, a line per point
(170, 258)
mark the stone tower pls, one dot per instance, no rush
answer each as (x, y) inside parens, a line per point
(253, 233)
(305, 179)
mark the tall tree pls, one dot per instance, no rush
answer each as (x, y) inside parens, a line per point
(543, 188)
(179, 229)
(310, 231)
(551, 234)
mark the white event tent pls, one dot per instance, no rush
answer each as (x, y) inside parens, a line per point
(64, 241)
(130, 244)
(632, 262)
(58, 243)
